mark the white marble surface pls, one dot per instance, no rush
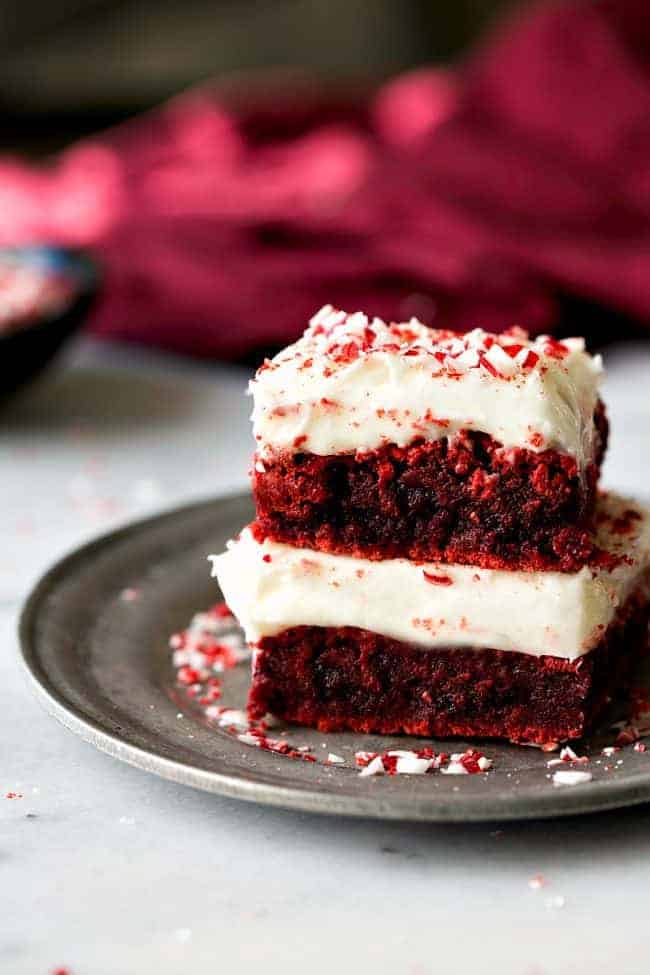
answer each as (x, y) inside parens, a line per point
(108, 871)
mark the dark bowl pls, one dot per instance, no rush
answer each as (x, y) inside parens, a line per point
(27, 346)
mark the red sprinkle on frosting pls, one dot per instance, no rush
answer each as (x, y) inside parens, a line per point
(342, 338)
(437, 580)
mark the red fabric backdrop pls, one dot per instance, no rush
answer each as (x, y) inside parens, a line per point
(474, 198)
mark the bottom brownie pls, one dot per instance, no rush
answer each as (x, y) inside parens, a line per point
(351, 679)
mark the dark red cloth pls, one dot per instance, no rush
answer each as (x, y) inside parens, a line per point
(478, 198)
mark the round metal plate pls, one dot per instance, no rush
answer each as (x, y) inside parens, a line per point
(100, 664)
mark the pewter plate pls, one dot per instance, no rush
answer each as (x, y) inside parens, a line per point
(101, 666)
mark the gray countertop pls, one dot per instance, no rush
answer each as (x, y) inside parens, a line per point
(106, 870)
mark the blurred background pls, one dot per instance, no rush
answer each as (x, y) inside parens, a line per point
(70, 68)
(229, 167)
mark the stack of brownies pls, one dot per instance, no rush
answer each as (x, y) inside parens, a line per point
(430, 553)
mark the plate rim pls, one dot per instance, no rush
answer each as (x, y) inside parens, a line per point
(436, 809)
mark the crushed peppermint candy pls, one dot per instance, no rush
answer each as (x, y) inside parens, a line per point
(610, 750)
(437, 579)
(258, 738)
(341, 338)
(454, 768)
(537, 882)
(571, 777)
(206, 649)
(469, 762)
(409, 762)
(567, 755)
(227, 717)
(398, 762)
(211, 645)
(374, 767)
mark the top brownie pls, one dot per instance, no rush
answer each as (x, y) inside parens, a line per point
(386, 440)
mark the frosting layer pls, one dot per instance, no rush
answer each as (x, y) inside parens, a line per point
(271, 587)
(350, 384)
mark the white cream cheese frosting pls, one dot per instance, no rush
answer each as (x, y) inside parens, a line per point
(271, 587)
(352, 385)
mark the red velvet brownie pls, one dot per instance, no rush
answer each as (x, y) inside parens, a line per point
(400, 440)
(430, 554)
(341, 678)
(438, 649)
(453, 500)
